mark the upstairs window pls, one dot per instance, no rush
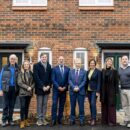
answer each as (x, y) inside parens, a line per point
(96, 3)
(29, 3)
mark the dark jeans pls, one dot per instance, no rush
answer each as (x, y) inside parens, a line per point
(58, 100)
(92, 103)
(73, 99)
(24, 106)
(9, 99)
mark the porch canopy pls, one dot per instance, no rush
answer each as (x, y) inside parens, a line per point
(113, 45)
(14, 45)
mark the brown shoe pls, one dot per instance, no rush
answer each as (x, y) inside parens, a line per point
(22, 124)
(89, 122)
(27, 123)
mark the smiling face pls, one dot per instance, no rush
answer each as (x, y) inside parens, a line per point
(12, 59)
(26, 65)
(109, 63)
(124, 60)
(92, 64)
(44, 58)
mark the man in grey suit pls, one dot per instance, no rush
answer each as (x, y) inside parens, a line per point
(77, 81)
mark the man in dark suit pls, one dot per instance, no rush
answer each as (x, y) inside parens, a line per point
(77, 81)
(42, 77)
(60, 86)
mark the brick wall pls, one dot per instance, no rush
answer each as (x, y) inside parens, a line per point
(63, 27)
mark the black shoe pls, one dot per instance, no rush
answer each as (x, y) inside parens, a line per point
(60, 122)
(53, 123)
(72, 123)
(82, 123)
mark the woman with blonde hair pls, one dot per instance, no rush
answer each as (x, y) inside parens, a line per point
(108, 93)
(26, 84)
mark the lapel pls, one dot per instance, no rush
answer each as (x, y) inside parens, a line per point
(42, 67)
(80, 72)
(94, 73)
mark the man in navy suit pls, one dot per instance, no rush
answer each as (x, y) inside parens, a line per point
(77, 81)
(60, 86)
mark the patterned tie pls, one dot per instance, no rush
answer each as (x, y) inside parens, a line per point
(76, 76)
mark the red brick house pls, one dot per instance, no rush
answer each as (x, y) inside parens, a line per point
(72, 28)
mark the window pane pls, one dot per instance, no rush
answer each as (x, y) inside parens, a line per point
(104, 1)
(22, 1)
(30, 2)
(4, 60)
(86, 2)
(95, 2)
(37, 1)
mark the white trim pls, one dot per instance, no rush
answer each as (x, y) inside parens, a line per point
(96, 3)
(45, 50)
(29, 3)
(81, 50)
(113, 51)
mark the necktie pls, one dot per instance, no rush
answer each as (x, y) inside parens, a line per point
(76, 76)
(62, 71)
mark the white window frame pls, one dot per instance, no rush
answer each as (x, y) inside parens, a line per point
(45, 50)
(81, 50)
(14, 3)
(84, 3)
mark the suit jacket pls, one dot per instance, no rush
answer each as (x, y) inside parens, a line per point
(42, 78)
(95, 81)
(81, 81)
(58, 80)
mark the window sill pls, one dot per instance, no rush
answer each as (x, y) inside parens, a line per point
(29, 8)
(96, 7)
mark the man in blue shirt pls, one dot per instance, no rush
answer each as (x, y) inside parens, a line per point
(8, 89)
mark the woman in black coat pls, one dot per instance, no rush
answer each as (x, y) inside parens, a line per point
(109, 90)
(93, 88)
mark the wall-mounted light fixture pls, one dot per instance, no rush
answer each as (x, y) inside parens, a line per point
(30, 51)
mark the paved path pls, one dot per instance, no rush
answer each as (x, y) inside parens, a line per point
(65, 127)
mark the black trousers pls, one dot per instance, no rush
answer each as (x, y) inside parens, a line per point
(9, 99)
(24, 107)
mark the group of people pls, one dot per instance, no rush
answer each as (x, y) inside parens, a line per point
(92, 84)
